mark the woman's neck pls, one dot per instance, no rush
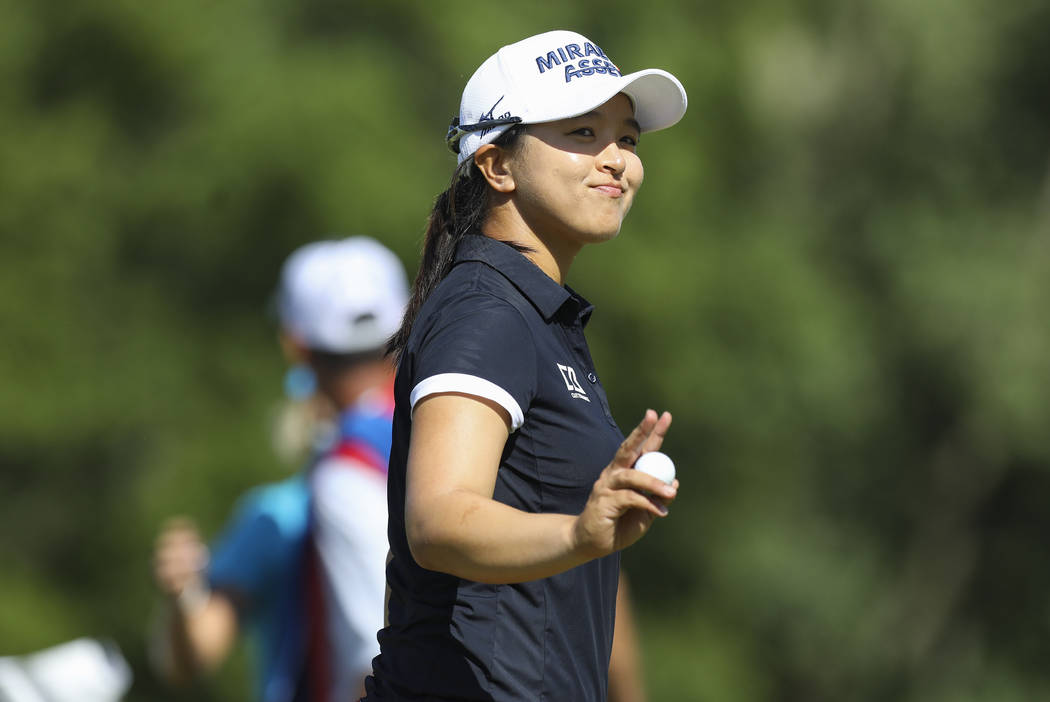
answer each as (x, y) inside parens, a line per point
(552, 255)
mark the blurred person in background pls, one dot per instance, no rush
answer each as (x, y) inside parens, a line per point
(299, 567)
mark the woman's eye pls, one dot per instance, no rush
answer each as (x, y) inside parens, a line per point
(583, 131)
(629, 140)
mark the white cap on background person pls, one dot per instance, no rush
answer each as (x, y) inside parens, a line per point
(552, 76)
(81, 670)
(342, 296)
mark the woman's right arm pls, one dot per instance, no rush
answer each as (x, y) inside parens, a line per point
(454, 525)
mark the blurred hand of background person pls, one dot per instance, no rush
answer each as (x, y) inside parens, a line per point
(179, 558)
(198, 626)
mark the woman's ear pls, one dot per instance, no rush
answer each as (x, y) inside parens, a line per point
(494, 164)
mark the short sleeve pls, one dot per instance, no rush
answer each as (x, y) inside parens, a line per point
(263, 538)
(482, 346)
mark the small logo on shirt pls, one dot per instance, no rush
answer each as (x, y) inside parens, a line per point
(568, 374)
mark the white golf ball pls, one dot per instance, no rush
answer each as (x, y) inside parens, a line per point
(656, 464)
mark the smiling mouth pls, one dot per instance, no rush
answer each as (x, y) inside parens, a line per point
(610, 190)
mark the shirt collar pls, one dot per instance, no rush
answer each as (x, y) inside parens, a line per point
(538, 288)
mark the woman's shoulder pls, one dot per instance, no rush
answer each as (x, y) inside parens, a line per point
(476, 277)
(473, 287)
(471, 306)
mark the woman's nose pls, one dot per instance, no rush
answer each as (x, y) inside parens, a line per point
(611, 159)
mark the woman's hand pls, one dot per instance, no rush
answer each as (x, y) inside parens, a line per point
(624, 502)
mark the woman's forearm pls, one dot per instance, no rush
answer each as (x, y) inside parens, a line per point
(477, 538)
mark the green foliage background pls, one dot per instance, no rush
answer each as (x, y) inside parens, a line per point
(836, 278)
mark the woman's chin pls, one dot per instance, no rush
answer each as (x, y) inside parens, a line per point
(603, 234)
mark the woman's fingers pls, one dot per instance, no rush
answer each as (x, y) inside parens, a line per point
(636, 480)
(633, 500)
(656, 437)
(647, 436)
(631, 447)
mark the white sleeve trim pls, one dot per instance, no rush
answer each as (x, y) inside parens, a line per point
(469, 385)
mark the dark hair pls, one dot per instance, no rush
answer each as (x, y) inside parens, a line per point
(458, 211)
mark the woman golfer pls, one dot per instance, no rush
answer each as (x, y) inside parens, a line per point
(510, 488)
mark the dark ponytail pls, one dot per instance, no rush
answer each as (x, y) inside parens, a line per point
(457, 212)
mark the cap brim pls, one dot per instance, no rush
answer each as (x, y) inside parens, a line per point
(659, 99)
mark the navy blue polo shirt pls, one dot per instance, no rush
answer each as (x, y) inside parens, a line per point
(498, 327)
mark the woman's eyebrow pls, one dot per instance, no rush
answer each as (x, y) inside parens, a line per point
(630, 121)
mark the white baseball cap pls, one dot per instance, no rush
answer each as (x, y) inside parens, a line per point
(81, 670)
(342, 296)
(552, 76)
